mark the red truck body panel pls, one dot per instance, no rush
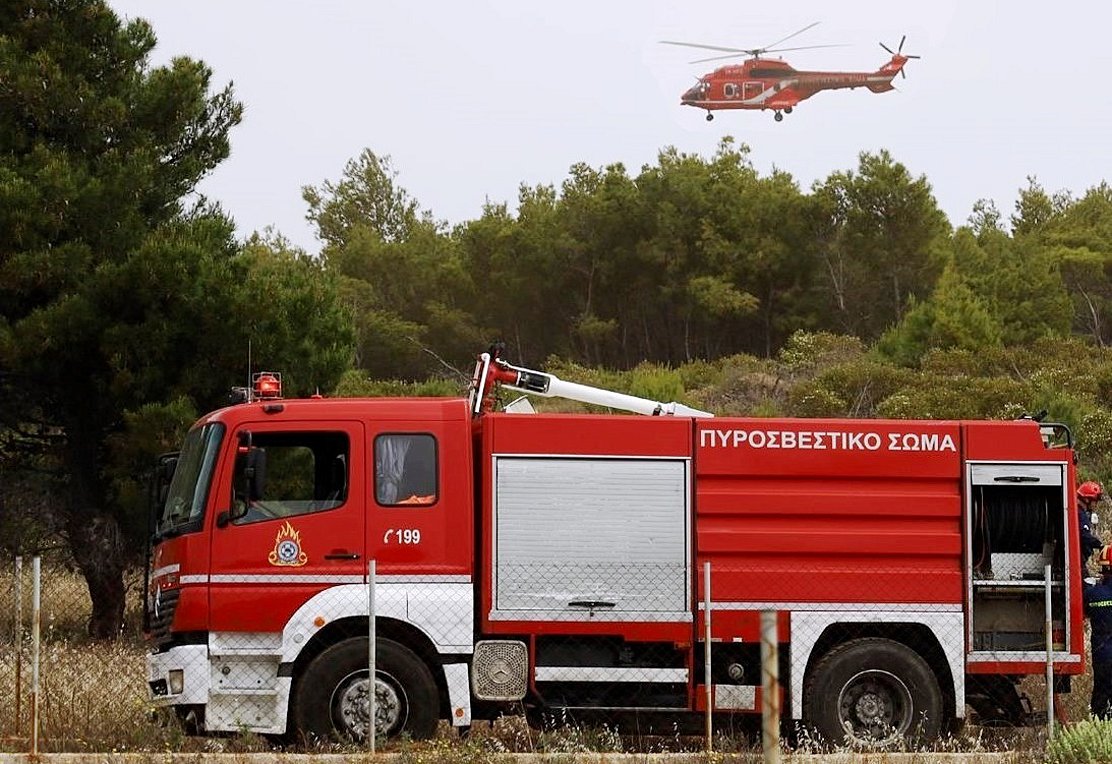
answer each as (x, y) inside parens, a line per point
(830, 511)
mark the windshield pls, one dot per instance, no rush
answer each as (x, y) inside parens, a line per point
(185, 502)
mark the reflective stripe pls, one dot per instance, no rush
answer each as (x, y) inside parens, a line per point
(419, 579)
(1020, 657)
(600, 616)
(915, 607)
(735, 697)
(334, 578)
(284, 578)
(609, 674)
(165, 570)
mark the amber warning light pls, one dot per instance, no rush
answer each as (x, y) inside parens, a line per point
(268, 385)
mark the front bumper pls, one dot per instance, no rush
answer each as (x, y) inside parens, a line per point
(193, 663)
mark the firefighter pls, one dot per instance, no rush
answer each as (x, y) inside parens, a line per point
(1088, 494)
(1098, 609)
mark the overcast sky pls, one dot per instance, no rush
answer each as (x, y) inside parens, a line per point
(472, 99)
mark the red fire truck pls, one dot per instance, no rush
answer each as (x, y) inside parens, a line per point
(557, 561)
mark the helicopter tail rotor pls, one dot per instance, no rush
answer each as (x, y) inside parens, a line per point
(899, 58)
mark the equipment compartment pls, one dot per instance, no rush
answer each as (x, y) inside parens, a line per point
(1017, 517)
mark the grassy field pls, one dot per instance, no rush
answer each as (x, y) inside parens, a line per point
(94, 696)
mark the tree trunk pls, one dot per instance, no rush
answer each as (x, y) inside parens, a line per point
(95, 539)
(768, 322)
(99, 559)
(1094, 318)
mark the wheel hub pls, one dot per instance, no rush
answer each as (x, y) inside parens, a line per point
(353, 706)
(875, 707)
(389, 708)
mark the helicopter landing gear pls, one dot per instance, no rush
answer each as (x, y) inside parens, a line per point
(778, 117)
(710, 116)
(787, 110)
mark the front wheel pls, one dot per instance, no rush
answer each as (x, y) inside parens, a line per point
(332, 698)
(873, 693)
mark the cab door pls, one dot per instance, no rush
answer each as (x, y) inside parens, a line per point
(420, 498)
(297, 530)
(420, 527)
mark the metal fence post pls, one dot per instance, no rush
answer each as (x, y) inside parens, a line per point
(707, 656)
(36, 611)
(1049, 659)
(371, 637)
(770, 688)
(18, 636)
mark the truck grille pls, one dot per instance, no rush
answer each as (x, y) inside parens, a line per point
(499, 668)
(162, 615)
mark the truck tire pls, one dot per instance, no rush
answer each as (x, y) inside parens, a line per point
(331, 696)
(873, 693)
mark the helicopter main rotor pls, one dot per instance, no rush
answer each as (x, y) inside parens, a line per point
(753, 52)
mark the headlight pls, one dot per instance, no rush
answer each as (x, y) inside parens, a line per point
(177, 681)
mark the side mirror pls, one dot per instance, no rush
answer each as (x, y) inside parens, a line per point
(248, 481)
(167, 464)
(161, 478)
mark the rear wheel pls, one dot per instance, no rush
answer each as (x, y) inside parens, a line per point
(873, 693)
(332, 699)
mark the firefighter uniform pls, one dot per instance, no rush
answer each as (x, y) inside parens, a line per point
(1088, 494)
(1089, 541)
(1098, 608)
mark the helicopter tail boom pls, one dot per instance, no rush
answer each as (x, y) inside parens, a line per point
(883, 86)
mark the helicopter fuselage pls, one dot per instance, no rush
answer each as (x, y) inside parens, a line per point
(773, 84)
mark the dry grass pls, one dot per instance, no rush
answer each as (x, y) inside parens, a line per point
(92, 696)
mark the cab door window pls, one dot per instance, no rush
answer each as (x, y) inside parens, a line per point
(298, 473)
(405, 469)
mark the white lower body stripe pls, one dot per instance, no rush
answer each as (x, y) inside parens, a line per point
(909, 607)
(322, 578)
(609, 674)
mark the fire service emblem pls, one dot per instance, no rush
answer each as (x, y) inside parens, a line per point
(287, 548)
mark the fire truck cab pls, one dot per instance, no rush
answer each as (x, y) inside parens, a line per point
(552, 561)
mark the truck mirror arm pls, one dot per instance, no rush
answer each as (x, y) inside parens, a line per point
(229, 515)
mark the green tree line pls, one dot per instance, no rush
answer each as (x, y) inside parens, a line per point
(128, 305)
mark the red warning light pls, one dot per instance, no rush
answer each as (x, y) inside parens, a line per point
(268, 384)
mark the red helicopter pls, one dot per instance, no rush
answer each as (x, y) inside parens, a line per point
(771, 83)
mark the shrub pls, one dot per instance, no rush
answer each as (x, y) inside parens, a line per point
(1082, 742)
(354, 385)
(813, 400)
(657, 383)
(806, 351)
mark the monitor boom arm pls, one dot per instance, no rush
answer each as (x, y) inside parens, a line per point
(491, 372)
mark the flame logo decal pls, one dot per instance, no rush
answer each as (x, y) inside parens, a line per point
(287, 548)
